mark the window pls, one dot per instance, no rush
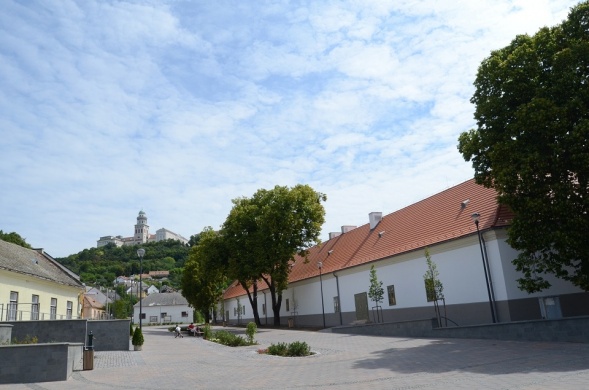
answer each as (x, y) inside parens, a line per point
(243, 309)
(234, 311)
(53, 310)
(69, 309)
(143, 316)
(263, 308)
(336, 304)
(35, 308)
(13, 306)
(163, 315)
(184, 314)
(391, 293)
(152, 318)
(287, 305)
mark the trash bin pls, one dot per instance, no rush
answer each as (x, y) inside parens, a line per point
(291, 323)
(88, 359)
(88, 355)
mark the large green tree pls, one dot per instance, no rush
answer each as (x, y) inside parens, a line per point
(532, 145)
(14, 238)
(203, 279)
(266, 232)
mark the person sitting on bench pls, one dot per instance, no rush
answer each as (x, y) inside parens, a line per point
(192, 329)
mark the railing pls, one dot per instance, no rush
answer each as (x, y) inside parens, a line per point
(12, 313)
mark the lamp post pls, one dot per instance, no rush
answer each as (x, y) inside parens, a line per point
(140, 253)
(475, 217)
(320, 266)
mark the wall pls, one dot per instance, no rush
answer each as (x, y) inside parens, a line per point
(29, 363)
(110, 335)
(574, 330)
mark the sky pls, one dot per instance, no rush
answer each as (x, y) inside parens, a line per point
(177, 107)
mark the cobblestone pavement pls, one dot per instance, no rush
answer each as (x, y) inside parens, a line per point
(340, 362)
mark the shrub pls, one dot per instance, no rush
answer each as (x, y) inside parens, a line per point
(207, 333)
(27, 340)
(296, 348)
(227, 338)
(130, 329)
(250, 332)
(279, 349)
(137, 337)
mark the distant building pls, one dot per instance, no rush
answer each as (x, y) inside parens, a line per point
(141, 235)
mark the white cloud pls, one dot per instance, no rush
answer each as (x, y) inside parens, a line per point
(176, 108)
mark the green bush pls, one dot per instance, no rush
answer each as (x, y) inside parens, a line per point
(279, 349)
(207, 333)
(296, 348)
(227, 338)
(130, 329)
(250, 332)
(27, 340)
(137, 337)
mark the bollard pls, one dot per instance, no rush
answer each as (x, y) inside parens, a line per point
(89, 353)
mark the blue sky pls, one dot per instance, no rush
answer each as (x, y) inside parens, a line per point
(178, 107)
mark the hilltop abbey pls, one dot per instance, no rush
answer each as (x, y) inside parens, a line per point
(141, 235)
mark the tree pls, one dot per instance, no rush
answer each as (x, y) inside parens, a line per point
(264, 233)
(375, 292)
(434, 288)
(531, 145)
(203, 278)
(14, 238)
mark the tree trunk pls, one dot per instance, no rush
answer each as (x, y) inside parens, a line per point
(253, 298)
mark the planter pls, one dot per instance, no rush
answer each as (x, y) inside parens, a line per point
(137, 347)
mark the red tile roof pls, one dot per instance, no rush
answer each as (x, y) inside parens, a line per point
(439, 218)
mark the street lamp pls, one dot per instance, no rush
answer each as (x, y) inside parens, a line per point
(140, 253)
(475, 217)
(320, 266)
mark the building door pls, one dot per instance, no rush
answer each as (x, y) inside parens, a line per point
(361, 301)
(550, 308)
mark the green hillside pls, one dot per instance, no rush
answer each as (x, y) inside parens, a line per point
(100, 266)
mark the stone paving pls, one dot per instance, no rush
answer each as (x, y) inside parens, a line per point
(340, 362)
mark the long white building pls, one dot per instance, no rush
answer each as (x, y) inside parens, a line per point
(141, 235)
(395, 244)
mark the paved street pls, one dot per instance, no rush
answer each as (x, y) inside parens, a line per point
(341, 362)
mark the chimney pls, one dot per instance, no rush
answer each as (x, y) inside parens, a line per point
(334, 235)
(374, 218)
(347, 228)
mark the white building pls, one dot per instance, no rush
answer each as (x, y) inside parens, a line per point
(163, 308)
(141, 235)
(395, 244)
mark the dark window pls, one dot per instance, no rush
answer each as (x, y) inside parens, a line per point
(336, 304)
(391, 293)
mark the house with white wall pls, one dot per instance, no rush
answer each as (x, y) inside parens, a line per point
(34, 286)
(161, 308)
(478, 277)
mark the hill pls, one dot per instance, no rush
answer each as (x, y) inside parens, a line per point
(100, 266)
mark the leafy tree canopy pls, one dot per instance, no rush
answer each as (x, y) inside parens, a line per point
(532, 145)
(375, 292)
(264, 233)
(14, 238)
(203, 279)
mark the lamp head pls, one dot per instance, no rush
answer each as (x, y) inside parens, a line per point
(140, 252)
(475, 218)
(320, 265)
